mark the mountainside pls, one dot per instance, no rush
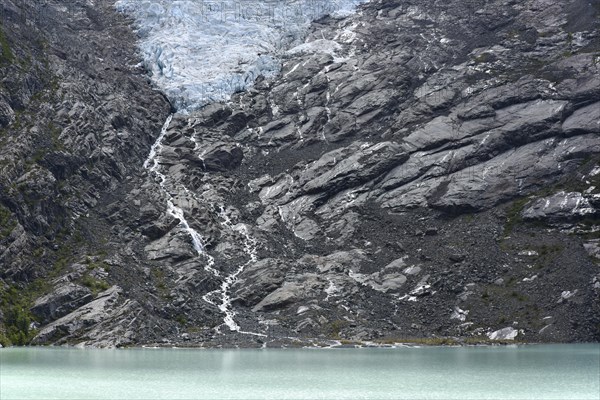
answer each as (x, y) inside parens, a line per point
(416, 170)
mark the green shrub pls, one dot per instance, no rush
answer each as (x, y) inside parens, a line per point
(18, 326)
(4, 341)
(95, 285)
(7, 223)
(6, 54)
(335, 327)
(17, 318)
(513, 214)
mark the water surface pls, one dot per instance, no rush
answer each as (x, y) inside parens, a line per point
(530, 372)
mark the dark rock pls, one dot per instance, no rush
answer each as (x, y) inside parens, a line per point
(257, 281)
(62, 301)
(457, 258)
(7, 115)
(291, 198)
(221, 156)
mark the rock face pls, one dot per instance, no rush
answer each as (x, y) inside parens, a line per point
(90, 321)
(77, 117)
(64, 300)
(562, 206)
(441, 181)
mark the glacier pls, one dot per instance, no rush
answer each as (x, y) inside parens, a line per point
(199, 52)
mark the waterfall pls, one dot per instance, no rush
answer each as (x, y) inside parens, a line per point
(223, 300)
(153, 166)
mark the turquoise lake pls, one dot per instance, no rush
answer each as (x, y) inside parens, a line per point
(514, 372)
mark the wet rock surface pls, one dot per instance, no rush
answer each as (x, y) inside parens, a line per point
(437, 175)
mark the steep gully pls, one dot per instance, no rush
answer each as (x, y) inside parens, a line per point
(219, 297)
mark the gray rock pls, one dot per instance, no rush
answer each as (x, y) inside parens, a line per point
(104, 307)
(349, 167)
(397, 264)
(593, 248)
(175, 246)
(457, 257)
(7, 115)
(279, 298)
(413, 270)
(62, 301)
(392, 282)
(583, 120)
(257, 281)
(560, 206)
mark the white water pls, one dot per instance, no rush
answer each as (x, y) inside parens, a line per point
(223, 300)
(153, 166)
(200, 52)
(250, 248)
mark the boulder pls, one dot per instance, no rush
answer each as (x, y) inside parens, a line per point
(280, 298)
(257, 281)
(583, 120)
(221, 156)
(341, 169)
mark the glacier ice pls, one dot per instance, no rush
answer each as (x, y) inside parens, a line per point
(202, 51)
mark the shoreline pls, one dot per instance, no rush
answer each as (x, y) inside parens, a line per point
(320, 345)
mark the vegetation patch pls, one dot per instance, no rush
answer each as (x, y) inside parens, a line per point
(335, 327)
(513, 214)
(181, 320)
(95, 285)
(6, 54)
(19, 323)
(161, 286)
(347, 342)
(100, 265)
(484, 58)
(7, 223)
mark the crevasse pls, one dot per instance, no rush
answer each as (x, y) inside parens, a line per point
(201, 51)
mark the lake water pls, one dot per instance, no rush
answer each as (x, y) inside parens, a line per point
(527, 372)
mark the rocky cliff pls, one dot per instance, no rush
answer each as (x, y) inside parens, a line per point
(417, 170)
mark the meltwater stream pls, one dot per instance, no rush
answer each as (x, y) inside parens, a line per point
(200, 52)
(223, 301)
